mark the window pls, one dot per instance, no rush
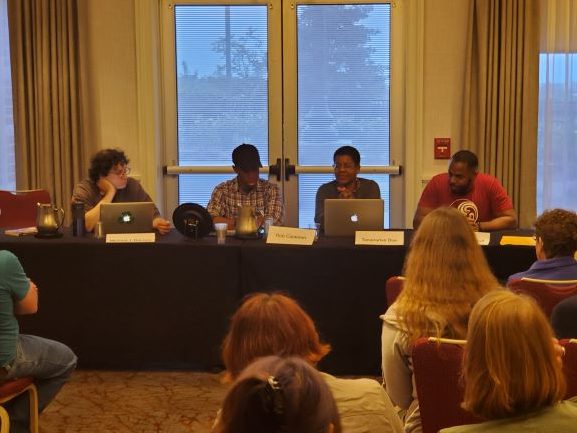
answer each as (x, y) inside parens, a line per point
(297, 82)
(7, 165)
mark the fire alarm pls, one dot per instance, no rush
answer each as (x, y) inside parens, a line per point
(442, 148)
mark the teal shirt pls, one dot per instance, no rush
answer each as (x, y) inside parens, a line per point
(14, 286)
(561, 418)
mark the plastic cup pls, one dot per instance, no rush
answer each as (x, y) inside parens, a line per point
(220, 229)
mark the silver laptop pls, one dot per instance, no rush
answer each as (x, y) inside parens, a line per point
(129, 217)
(343, 217)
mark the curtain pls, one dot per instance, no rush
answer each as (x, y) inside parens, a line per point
(501, 96)
(556, 181)
(44, 61)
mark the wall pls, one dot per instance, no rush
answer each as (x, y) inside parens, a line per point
(116, 116)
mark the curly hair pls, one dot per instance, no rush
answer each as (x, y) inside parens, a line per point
(557, 229)
(348, 151)
(103, 161)
(446, 273)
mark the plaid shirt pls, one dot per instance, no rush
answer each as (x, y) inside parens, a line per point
(265, 197)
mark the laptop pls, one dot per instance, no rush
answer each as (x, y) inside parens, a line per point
(343, 217)
(128, 217)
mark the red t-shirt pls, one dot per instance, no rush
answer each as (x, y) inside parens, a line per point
(487, 194)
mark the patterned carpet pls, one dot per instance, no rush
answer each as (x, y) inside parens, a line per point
(135, 402)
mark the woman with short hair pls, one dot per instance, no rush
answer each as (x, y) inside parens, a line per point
(279, 395)
(274, 324)
(445, 274)
(512, 370)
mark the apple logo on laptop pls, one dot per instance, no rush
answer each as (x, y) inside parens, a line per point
(354, 218)
(126, 218)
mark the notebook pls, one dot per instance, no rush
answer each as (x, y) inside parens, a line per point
(129, 217)
(343, 217)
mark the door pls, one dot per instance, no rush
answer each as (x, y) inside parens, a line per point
(296, 79)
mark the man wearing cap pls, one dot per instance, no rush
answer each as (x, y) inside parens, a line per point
(246, 189)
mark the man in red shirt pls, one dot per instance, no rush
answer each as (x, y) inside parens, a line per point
(480, 197)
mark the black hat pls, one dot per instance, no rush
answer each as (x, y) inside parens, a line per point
(246, 157)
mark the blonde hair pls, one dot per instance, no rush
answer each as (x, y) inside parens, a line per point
(510, 365)
(445, 274)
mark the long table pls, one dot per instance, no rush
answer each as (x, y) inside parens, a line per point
(167, 305)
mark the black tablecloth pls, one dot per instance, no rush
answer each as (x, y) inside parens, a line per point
(167, 304)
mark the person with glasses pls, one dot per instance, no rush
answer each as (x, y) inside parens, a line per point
(347, 165)
(108, 182)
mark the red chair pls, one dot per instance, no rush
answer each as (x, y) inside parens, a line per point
(570, 366)
(437, 365)
(547, 293)
(12, 389)
(393, 288)
(18, 208)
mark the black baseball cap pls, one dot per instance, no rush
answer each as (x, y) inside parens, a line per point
(246, 157)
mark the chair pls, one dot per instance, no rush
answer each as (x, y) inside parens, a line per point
(437, 369)
(570, 366)
(12, 389)
(547, 293)
(18, 208)
(393, 288)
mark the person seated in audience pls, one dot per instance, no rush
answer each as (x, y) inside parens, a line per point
(49, 362)
(275, 394)
(478, 196)
(246, 189)
(564, 318)
(445, 274)
(555, 246)
(347, 165)
(274, 324)
(108, 182)
(513, 369)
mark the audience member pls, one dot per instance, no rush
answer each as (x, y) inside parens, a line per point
(445, 274)
(279, 395)
(108, 182)
(274, 324)
(555, 246)
(246, 189)
(564, 318)
(49, 362)
(478, 196)
(512, 369)
(347, 164)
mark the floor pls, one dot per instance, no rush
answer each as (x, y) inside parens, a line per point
(139, 402)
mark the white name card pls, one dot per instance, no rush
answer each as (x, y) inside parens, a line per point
(483, 238)
(379, 238)
(130, 238)
(290, 236)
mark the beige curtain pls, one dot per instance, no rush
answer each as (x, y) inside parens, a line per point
(501, 96)
(44, 59)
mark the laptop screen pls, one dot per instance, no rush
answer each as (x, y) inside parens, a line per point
(129, 217)
(343, 217)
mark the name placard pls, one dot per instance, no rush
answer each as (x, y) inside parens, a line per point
(130, 238)
(527, 241)
(379, 238)
(483, 238)
(290, 236)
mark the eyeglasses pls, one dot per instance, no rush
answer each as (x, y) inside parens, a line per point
(344, 167)
(121, 171)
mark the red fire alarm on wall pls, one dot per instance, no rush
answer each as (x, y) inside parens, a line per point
(442, 148)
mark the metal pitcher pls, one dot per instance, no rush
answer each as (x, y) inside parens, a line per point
(246, 221)
(49, 219)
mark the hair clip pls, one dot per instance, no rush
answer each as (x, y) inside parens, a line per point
(273, 399)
